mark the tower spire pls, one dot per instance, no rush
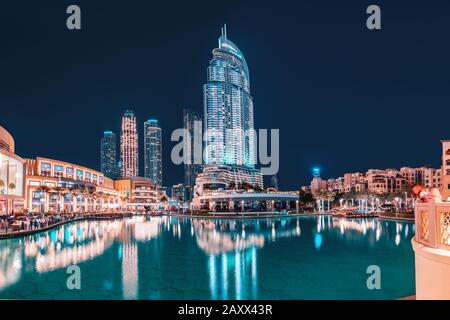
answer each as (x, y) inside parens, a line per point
(225, 30)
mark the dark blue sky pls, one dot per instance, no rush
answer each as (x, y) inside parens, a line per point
(345, 98)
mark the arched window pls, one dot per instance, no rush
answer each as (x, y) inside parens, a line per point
(447, 163)
(447, 152)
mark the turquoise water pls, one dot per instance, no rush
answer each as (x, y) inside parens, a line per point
(181, 258)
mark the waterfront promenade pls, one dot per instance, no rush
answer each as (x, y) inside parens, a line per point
(25, 225)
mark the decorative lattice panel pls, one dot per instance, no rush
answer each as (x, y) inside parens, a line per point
(424, 225)
(445, 227)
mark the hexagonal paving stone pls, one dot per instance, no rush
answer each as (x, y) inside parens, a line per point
(94, 293)
(197, 295)
(50, 288)
(184, 285)
(171, 294)
(59, 276)
(94, 281)
(69, 295)
(10, 295)
(35, 278)
(38, 296)
(158, 283)
(25, 288)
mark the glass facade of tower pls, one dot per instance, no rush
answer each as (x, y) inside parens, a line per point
(153, 151)
(108, 155)
(191, 119)
(129, 145)
(228, 108)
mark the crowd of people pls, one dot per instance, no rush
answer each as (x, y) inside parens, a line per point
(31, 222)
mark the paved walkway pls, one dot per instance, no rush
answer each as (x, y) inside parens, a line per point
(9, 233)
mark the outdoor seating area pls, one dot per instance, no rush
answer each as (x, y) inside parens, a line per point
(35, 222)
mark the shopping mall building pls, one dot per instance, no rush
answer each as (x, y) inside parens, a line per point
(60, 187)
(12, 187)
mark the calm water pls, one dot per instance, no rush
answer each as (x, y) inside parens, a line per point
(180, 258)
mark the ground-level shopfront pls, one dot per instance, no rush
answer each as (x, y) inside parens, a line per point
(246, 202)
(11, 183)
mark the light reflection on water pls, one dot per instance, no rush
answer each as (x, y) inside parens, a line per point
(176, 258)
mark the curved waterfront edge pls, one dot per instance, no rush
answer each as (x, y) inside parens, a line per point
(31, 232)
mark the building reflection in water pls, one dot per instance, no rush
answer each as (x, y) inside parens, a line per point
(230, 246)
(75, 243)
(130, 275)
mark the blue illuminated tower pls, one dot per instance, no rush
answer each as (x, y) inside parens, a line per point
(153, 151)
(228, 107)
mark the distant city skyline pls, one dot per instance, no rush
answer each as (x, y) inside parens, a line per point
(343, 97)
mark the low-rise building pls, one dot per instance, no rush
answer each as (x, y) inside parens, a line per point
(60, 187)
(137, 193)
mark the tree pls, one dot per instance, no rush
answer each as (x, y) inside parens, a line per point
(257, 188)
(306, 197)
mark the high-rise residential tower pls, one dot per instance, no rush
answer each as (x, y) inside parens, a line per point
(192, 122)
(228, 107)
(108, 155)
(153, 151)
(129, 145)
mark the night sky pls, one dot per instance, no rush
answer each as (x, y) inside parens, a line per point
(344, 98)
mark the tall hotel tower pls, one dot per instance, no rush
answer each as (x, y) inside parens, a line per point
(108, 155)
(153, 151)
(228, 118)
(228, 107)
(129, 145)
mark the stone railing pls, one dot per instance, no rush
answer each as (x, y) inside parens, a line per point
(433, 224)
(431, 246)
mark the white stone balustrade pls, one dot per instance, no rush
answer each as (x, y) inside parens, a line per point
(431, 246)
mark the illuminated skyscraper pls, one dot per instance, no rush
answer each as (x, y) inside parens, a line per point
(153, 151)
(228, 121)
(192, 122)
(108, 155)
(228, 107)
(129, 145)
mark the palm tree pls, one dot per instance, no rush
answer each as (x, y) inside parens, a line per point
(44, 191)
(58, 190)
(74, 191)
